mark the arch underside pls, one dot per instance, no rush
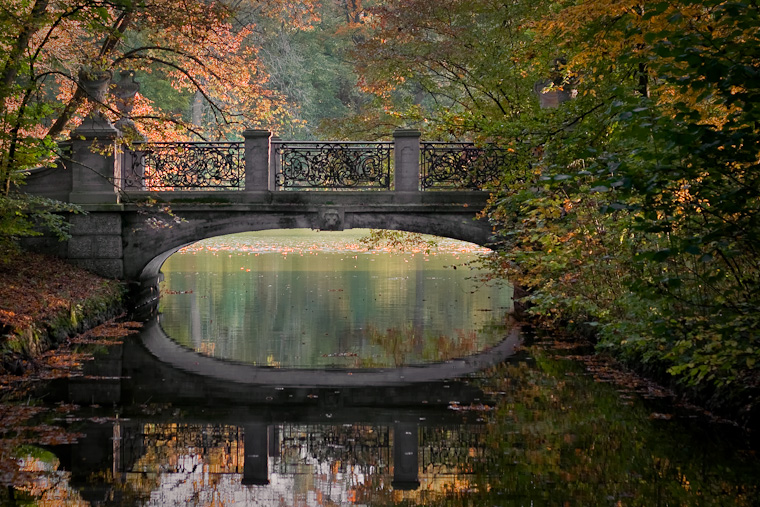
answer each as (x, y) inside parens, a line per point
(146, 249)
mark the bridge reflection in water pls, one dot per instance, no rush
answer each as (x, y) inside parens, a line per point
(182, 436)
(350, 457)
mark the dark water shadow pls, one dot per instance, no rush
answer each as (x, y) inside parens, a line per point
(170, 352)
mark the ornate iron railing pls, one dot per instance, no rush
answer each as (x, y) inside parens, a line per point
(333, 165)
(461, 165)
(185, 166)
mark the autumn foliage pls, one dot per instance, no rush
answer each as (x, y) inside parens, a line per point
(204, 53)
(39, 294)
(632, 213)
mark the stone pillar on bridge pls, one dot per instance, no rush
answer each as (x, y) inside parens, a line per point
(274, 163)
(257, 177)
(406, 162)
(132, 163)
(95, 242)
(95, 162)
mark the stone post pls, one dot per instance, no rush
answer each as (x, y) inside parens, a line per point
(257, 170)
(95, 166)
(96, 163)
(132, 163)
(406, 162)
(550, 98)
(124, 92)
(274, 164)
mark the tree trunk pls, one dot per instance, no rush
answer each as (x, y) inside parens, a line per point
(16, 54)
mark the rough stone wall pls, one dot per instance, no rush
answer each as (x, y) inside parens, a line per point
(95, 243)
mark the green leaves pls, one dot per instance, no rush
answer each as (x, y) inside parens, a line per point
(657, 237)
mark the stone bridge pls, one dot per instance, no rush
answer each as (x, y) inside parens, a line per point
(144, 203)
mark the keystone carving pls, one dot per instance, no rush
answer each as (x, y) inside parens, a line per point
(331, 220)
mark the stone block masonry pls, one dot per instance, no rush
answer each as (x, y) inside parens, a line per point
(96, 243)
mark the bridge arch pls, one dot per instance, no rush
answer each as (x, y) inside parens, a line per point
(145, 249)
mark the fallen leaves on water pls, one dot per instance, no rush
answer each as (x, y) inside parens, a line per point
(114, 329)
(46, 434)
(15, 416)
(473, 407)
(22, 423)
(628, 383)
(604, 369)
(341, 354)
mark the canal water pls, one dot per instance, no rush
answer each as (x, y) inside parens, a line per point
(300, 368)
(305, 299)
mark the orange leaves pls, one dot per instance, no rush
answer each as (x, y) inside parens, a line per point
(37, 288)
(198, 46)
(110, 332)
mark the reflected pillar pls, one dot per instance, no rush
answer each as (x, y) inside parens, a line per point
(256, 464)
(406, 456)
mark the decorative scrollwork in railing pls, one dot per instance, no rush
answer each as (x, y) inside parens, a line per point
(461, 165)
(185, 166)
(333, 165)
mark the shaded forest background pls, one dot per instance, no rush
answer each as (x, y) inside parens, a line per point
(630, 210)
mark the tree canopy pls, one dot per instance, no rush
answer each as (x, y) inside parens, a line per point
(204, 50)
(633, 207)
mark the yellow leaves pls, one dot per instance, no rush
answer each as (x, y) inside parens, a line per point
(602, 31)
(577, 16)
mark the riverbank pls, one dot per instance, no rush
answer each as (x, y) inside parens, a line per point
(735, 404)
(44, 301)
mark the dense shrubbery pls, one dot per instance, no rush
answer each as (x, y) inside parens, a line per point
(634, 207)
(642, 219)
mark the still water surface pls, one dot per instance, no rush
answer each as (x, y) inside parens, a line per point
(302, 299)
(533, 430)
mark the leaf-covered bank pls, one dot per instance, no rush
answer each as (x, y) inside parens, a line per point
(44, 300)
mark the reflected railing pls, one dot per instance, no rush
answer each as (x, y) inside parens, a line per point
(401, 453)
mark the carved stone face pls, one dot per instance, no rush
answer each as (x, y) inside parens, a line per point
(331, 221)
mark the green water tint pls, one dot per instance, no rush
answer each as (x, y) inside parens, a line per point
(305, 299)
(558, 437)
